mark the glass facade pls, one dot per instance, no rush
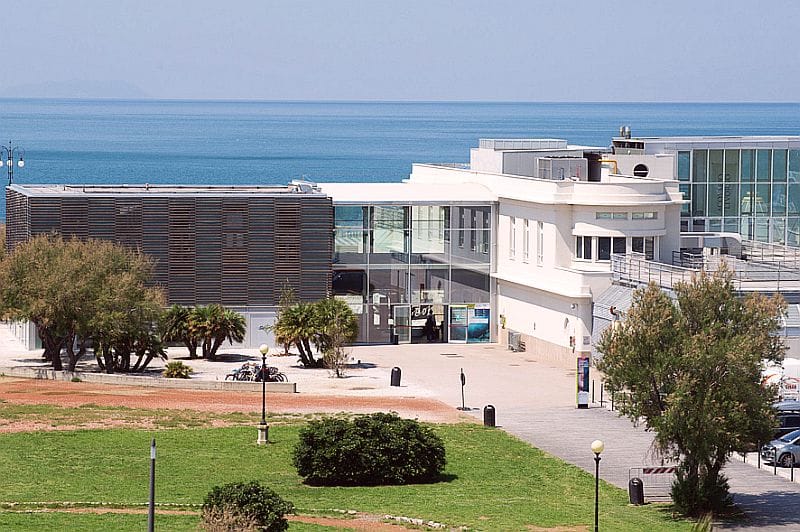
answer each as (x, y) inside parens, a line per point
(755, 192)
(396, 264)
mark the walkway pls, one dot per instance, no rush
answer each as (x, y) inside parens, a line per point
(534, 401)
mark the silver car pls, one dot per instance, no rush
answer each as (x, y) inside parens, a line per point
(786, 450)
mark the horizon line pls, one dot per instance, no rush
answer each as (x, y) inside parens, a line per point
(374, 101)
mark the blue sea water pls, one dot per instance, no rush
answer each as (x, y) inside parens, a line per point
(216, 142)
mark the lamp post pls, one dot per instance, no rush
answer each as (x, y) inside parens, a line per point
(7, 154)
(263, 428)
(597, 448)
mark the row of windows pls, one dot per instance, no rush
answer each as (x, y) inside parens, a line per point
(748, 165)
(648, 215)
(526, 239)
(600, 248)
(778, 230)
(733, 199)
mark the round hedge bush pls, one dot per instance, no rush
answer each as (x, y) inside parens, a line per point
(245, 506)
(369, 450)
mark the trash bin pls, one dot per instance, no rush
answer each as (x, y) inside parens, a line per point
(636, 491)
(396, 374)
(489, 416)
(395, 339)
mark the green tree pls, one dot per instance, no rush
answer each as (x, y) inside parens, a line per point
(73, 291)
(213, 324)
(329, 325)
(175, 328)
(2, 241)
(287, 300)
(337, 327)
(691, 369)
(297, 325)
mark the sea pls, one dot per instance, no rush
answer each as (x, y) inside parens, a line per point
(267, 142)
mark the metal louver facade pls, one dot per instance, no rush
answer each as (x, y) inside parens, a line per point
(228, 246)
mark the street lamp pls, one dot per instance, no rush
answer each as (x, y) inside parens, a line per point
(597, 448)
(263, 428)
(7, 154)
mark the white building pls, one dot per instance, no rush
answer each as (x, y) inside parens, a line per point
(559, 213)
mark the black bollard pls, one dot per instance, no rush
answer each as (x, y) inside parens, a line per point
(489, 416)
(396, 374)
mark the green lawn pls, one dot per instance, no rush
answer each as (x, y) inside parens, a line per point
(495, 482)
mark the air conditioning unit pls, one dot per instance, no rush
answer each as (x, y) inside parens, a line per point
(515, 342)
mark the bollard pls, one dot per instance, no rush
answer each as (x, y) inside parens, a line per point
(489, 416)
(602, 384)
(396, 374)
(758, 451)
(636, 491)
(592, 391)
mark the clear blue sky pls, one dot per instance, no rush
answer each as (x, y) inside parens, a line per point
(678, 50)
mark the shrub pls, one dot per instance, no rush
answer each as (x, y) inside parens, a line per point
(694, 497)
(245, 506)
(368, 450)
(177, 370)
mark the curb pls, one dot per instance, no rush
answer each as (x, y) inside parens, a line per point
(139, 380)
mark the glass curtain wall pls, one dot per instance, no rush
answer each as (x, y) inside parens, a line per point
(427, 257)
(755, 192)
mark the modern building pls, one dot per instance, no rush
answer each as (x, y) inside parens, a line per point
(531, 242)
(746, 185)
(237, 246)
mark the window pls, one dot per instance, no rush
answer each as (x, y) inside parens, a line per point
(602, 216)
(604, 248)
(620, 215)
(644, 245)
(618, 245)
(540, 243)
(684, 160)
(526, 240)
(611, 216)
(644, 215)
(512, 237)
(583, 247)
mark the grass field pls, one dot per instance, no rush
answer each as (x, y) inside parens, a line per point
(494, 481)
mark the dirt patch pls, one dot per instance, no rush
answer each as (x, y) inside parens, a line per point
(358, 522)
(76, 394)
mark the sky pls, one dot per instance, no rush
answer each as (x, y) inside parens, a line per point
(429, 50)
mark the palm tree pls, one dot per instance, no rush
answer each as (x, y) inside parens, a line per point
(175, 328)
(297, 325)
(232, 327)
(213, 324)
(337, 326)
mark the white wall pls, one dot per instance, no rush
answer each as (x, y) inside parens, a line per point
(544, 315)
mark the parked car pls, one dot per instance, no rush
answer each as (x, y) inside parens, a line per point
(788, 414)
(785, 450)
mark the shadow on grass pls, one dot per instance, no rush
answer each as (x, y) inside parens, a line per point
(442, 478)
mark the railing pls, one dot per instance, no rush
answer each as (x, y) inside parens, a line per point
(785, 256)
(634, 270)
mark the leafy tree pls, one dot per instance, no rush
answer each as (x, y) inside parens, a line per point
(287, 300)
(297, 325)
(74, 291)
(692, 371)
(175, 328)
(337, 327)
(328, 324)
(2, 241)
(213, 324)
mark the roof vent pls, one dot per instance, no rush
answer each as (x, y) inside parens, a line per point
(625, 132)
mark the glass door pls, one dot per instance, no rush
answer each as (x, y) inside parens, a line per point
(402, 323)
(457, 331)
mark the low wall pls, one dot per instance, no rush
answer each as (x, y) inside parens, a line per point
(139, 380)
